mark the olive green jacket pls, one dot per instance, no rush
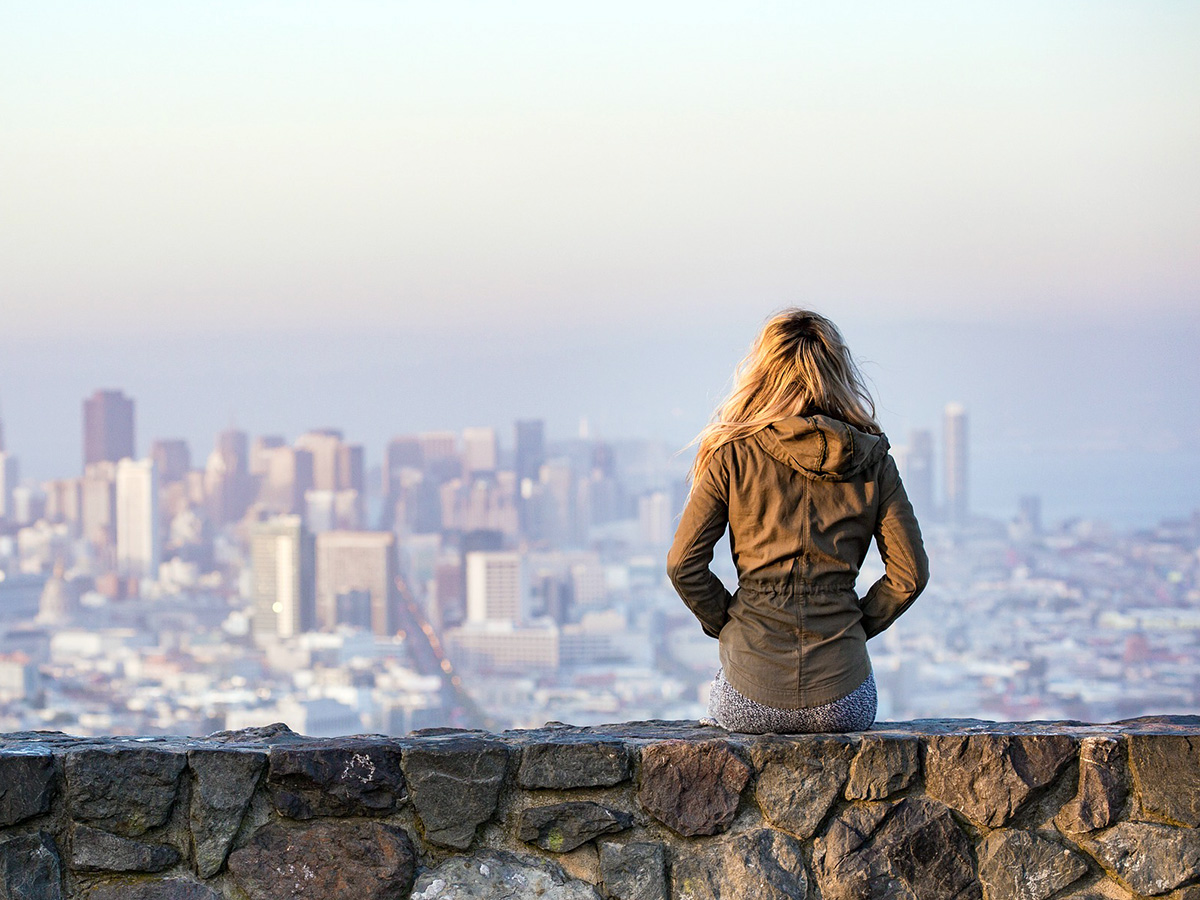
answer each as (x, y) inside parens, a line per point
(801, 499)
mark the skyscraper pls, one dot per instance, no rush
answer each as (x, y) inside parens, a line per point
(496, 587)
(107, 427)
(281, 554)
(403, 452)
(353, 565)
(172, 459)
(138, 546)
(918, 471)
(955, 460)
(439, 450)
(8, 480)
(325, 445)
(351, 468)
(98, 503)
(288, 476)
(530, 448)
(479, 450)
(260, 453)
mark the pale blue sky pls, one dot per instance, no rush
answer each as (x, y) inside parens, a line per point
(237, 166)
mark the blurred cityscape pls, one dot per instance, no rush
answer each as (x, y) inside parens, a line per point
(474, 581)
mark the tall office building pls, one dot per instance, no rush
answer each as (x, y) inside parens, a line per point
(64, 501)
(439, 450)
(530, 454)
(655, 520)
(325, 445)
(530, 448)
(480, 450)
(172, 459)
(234, 446)
(260, 453)
(955, 460)
(438, 445)
(138, 546)
(288, 476)
(351, 469)
(107, 427)
(281, 556)
(403, 452)
(356, 580)
(98, 503)
(917, 471)
(9, 474)
(227, 481)
(496, 587)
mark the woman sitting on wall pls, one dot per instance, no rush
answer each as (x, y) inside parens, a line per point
(795, 465)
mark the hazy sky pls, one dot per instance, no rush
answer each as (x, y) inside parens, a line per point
(392, 216)
(246, 165)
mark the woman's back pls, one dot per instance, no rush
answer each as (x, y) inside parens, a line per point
(805, 488)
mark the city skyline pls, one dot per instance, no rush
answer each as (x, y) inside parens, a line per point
(500, 577)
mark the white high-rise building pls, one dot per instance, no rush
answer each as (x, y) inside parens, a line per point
(480, 449)
(281, 555)
(138, 548)
(496, 587)
(955, 453)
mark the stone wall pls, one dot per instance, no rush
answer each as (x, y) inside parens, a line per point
(930, 809)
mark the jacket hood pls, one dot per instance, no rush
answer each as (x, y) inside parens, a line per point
(822, 447)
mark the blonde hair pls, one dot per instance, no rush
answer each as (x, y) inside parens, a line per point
(799, 365)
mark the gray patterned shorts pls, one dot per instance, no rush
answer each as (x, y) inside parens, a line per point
(735, 712)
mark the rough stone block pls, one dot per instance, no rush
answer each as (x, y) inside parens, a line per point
(1102, 788)
(124, 789)
(692, 787)
(29, 868)
(336, 780)
(223, 783)
(455, 784)
(634, 871)
(326, 860)
(573, 763)
(1166, 770)
(909, 848)
(1148, 858)
(988, 777)
(166, 889)
(758, 865)
(882, 767)
(562, 827)
(27, 785)
(1019, 865)
(93, 850)
(800, 779)
(495, 875)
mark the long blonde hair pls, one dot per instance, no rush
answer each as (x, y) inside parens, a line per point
(798, 365)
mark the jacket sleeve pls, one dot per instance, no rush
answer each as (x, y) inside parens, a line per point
(704, 520)
(906, 567)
